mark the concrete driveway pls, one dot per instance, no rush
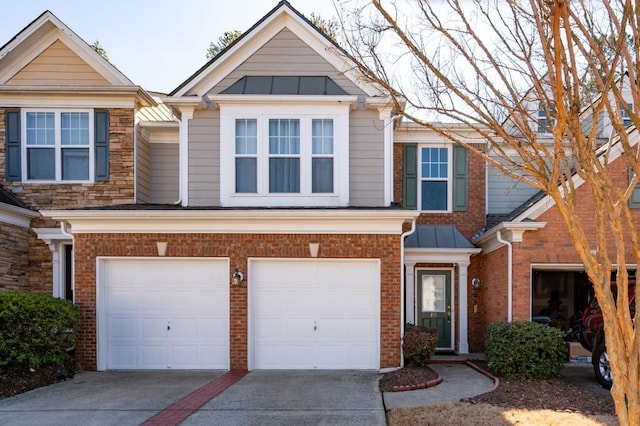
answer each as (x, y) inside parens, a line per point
(260, 398)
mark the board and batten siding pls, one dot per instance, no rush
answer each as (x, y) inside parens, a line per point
(143, 168)
(287, 55)
(164, 173)
(58, 64)
(204, 158)
(366, 159)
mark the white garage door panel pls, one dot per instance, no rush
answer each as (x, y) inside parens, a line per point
(167, 313)
(309, 314)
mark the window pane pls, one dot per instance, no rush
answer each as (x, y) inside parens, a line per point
(284, 175)
(322, 136)
(284, 136)
(434, 195)
(435, 163)
(246, 136)
(41, 163)
(322, 175)
(74, 128)
(75, 164)
(41, 128)
(433, 293)
(246, 175)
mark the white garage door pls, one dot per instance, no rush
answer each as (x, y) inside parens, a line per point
(308, 314)
(164, 313)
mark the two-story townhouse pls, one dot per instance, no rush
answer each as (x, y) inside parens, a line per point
(243, 221)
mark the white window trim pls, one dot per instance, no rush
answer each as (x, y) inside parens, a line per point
(449, 148)
(57, 146)
(339, 113)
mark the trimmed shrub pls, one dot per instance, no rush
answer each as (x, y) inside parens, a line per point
(35, 330)
(525, 350)
(418, 345)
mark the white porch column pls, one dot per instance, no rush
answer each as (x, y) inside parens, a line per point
(463, 336)
(183, 148)
(409, 293)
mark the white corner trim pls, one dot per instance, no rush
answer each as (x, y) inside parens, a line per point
(270, 221)
(385, 116)
(16, 215)
(510, 231)
(186, 114)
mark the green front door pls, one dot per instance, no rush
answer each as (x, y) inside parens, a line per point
(434, 303)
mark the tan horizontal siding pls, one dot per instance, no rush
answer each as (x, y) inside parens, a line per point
(57, 64)
(204, 159)
(164, 173)
(366, 159)
(286, 54)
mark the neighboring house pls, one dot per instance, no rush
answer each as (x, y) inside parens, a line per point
(268, 213)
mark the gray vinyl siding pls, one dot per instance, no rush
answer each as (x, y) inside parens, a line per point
(204, 159)
(504, 193)
(143, 172)
(164, 173)
(366, 159)
(285, 54)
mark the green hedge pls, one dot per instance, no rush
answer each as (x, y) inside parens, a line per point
(35, 330)
(523, 349)
(418, 345)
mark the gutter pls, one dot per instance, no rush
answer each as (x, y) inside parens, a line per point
(509, 274)
(402, 285)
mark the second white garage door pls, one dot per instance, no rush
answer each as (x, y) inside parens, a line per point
(160, 313)
(314, 314)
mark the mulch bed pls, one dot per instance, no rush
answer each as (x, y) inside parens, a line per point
(409, 378)
(16, 381)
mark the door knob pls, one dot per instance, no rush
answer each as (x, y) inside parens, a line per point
(449, 313)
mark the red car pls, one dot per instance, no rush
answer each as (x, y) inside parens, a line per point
(592, 336)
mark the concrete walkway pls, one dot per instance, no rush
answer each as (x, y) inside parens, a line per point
(458, 381)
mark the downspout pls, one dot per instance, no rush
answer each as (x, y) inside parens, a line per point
(509, 275)
(63, 230)
(402, 284)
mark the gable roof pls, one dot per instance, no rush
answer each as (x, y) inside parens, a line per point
(282, 16)
(40, 34)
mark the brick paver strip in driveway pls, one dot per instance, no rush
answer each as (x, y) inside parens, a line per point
(176, 413)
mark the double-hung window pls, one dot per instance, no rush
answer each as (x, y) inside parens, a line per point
(284, 158)
(546, 118)
(58, 145)
(435, 179)
(626, 120)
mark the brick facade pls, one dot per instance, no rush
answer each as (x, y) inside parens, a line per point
(468, 222)
(238, 248)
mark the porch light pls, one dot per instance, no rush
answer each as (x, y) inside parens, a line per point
(237, 277)
(475, 282)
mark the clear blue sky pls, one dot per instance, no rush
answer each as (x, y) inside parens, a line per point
(156, 43)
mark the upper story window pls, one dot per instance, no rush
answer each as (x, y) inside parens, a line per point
(546, 119)
(435, 179)
(290, 157)
(58, 145)
(626, 120)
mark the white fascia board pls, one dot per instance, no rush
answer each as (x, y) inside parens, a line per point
(18, 216)
(236, 221)
(260, 35)
(510, 231)
(438, 255)
(73, 97)
(351, 100)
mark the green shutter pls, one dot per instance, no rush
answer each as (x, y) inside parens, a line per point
(460, 179)
(410, 177)
(101, 145)
(12, 145)
(634, 200)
